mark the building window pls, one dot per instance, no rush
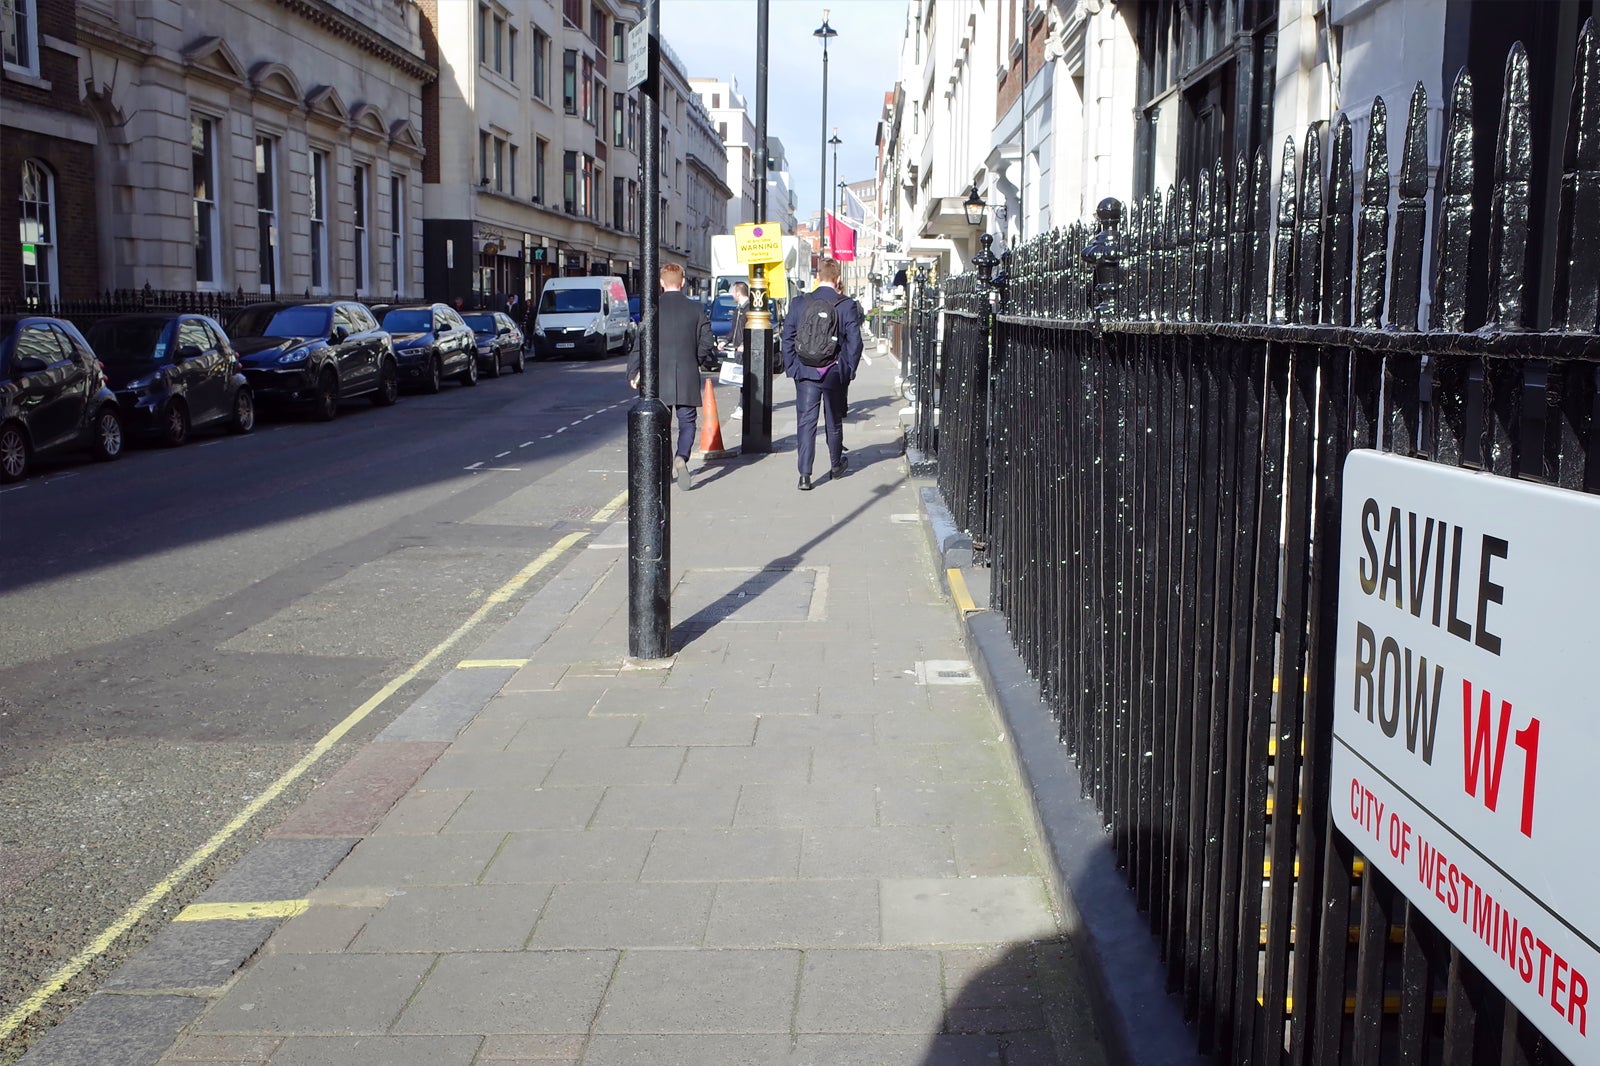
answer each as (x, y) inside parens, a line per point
(513, 170)
(586, 189)
(569, 182)
(511, 55)
(587, 89)
(633, 122)
(541, 56)
(359, 188)
(20, 32)
(499, 165)
(319, 221)
(619, 204)
(633, 206)
(491, 39)
(597, 25)
(38, 231)
(569, 81)
(267, 213)
(397, 232)
(619, 41)
(203, 167)
(540, 148)
(616, 120)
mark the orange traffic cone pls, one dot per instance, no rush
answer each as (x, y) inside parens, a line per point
(711, 431)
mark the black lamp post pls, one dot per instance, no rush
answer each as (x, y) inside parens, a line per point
(825, 32)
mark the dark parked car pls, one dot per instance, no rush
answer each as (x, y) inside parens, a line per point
(499, 341)
(53, 395)
(316, 353)
(432, 343)
(173, 373)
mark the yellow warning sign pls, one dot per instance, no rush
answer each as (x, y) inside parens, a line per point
(758, 242)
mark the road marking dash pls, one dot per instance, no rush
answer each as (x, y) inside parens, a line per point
(236, 912)
(502, 455)
(474, 466)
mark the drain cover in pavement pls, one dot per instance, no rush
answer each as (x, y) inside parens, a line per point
(945, 672)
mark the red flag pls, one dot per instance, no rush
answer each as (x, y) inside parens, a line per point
(841, 239)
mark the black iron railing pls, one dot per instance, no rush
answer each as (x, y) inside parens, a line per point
(1156, 473)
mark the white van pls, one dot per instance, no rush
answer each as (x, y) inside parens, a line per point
(582, 316)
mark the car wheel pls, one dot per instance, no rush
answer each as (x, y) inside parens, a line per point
(494, 364)
(469, 376)
(13, 452)
(107, 444)
(520, 365)
(326, 405)
(175, 424)
(388, 384)
(435, 376)
(244, 411)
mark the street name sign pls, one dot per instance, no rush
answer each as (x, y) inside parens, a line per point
(1466, 729)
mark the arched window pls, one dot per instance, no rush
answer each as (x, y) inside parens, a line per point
(38, 233)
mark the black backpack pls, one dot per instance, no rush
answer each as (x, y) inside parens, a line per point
(816, 338)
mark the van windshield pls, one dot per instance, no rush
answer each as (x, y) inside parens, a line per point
(569, 301)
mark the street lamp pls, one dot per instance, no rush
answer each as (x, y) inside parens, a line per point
(835, 142)
(974, 206)
(825, 32)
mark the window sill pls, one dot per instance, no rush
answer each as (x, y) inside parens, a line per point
(26, 77)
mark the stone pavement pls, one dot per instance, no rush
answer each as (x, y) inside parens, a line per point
(800, 840)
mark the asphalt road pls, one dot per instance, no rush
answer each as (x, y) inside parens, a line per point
(179, 627)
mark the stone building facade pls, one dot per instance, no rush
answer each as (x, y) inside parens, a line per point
(265, 147)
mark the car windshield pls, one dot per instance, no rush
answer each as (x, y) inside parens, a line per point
(722, 307)
(129, 342)
(284, 322)
(409, 320)
(569, 301)
(480, 323)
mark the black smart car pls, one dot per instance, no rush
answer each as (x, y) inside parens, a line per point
(173, 373)
(316, 353)
(499, 341)
(432, 343)
(53, 395)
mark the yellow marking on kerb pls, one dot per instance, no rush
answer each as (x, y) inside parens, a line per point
(485, 664)
(238, 912)
(605, 513)
(959, 593)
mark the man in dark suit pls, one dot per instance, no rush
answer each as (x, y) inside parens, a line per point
(684, 340)
(822, 385)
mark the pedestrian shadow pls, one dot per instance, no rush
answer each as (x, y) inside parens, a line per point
(1028, 1003)
(702, 621)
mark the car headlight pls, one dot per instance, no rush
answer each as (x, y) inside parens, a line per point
(538, 329)
(299, 355)
(595, 327)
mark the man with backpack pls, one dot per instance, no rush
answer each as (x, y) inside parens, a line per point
(821, 346)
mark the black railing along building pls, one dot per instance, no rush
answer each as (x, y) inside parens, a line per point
(1153, 465)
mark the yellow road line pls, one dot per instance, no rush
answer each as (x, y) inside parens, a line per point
(605, 513)
(97, 947)
(483, 664)
(236, 912)
(959, 593)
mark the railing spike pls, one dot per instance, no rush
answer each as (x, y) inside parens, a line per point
(1308, 239)
(1410, 219)
(1336, 263)
(1283, 244)
(1260, 226)
(1372, 239)
(1577, 302)
(1508, 219)
(1454, 242)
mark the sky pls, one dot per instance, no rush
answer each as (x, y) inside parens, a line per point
(717, 39)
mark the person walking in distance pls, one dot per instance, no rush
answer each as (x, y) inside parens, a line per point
(821, 349)
(684, 341)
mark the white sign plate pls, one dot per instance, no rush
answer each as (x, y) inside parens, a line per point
(638, 55)
(1466, 730)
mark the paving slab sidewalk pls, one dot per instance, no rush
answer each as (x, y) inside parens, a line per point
(799, 840)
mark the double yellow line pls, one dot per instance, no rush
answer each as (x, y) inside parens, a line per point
(98, 946)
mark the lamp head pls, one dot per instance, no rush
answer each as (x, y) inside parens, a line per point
(834, 140)
(974, 207)
(824, 31)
